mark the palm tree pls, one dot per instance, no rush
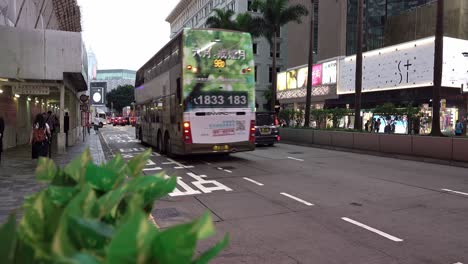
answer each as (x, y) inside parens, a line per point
(358, 81)
(242, 22)
(276, 14)
(438, 61)
(222, 19)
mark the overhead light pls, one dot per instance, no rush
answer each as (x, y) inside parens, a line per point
(3, 80)
(17, 96)
(29, 99)
(1, 91)
(37, 101)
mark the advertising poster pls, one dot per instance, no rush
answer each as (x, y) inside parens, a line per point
(292, 79)
(302, 77)
(329, 72)
(218, 70)
(281, 81)
(218, 81)
(317, 74)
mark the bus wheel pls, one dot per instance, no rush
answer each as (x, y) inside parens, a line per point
(160, 146)
(168, 146)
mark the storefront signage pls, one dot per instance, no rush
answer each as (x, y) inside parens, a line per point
(408, 65)
(31, 90)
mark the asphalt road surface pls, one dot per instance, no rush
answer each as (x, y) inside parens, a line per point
(291, 204)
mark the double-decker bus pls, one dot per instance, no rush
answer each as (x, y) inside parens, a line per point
(197, 94)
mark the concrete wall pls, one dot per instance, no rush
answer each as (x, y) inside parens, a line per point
(29, 14)
(445, 148)
(39, 54)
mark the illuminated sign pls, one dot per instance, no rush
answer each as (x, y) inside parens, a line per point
(407, 65)
(329, 72)
(281, 81)
(31, 90)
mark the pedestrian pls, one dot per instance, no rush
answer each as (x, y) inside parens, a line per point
(66, 127)
(366, 126)
(39, 138)
(2, 129)
(51, 121)
(458, 128)
(377, 126)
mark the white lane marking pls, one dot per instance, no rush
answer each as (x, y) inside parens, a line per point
(458, 263)
(452, 191)
(183, 167)
(297, 199)
(152, 169)
(295, 159)
(253, 181)
(396, 239)
(221, 169)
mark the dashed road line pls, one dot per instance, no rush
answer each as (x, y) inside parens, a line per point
(221, 169)
(393, 238)
(457, 192)
(253, 181)
(297, 199)
(152, 169)
(295, 159)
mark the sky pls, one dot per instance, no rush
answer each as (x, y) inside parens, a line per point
(125, 34)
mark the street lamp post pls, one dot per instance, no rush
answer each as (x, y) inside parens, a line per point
(358, 81)
(310, 68)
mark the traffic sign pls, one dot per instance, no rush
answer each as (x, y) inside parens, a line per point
(84, 98)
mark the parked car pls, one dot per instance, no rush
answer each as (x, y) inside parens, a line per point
(119, 121)
(266, 128)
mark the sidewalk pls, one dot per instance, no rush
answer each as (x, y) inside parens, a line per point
(17, 171)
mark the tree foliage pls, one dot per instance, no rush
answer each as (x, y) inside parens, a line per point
(275, 14)
(244, 22)
(121, 97)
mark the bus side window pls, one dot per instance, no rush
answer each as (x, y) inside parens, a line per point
(178, 91)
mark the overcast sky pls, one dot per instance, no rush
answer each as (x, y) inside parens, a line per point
(125, 34)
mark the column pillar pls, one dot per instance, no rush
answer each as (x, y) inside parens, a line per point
(61, 134)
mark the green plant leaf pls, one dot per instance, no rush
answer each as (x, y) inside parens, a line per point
(8, 240)
(110, 200)
(61, 195)
(77, 167)
(117, 164)
(212, 252)
(46, 170)
(136, 165)
(101, 178)
(152, 187)
(89, 234)
(132, 241)
(177, 244)
(83, 205)
(39, 222)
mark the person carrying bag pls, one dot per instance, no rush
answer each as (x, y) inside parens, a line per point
(39, 138)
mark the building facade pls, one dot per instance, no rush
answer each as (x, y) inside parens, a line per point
(376, 14)
(194, 13)
(115, 78)
(43, 67)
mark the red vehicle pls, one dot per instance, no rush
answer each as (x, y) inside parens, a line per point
(132, 120)
(119, 121)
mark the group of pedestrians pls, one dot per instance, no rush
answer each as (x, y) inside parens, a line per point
(43, 131)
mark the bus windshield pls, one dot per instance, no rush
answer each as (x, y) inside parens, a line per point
(218, 70)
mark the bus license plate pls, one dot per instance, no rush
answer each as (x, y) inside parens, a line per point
(221, 148)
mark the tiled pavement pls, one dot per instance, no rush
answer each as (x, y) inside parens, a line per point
(17, 171)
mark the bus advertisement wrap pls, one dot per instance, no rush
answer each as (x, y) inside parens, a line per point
(218, 81)
(218, 70)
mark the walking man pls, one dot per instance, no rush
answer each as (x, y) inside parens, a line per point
(458, 128)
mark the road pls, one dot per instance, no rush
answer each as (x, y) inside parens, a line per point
(292, 204)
